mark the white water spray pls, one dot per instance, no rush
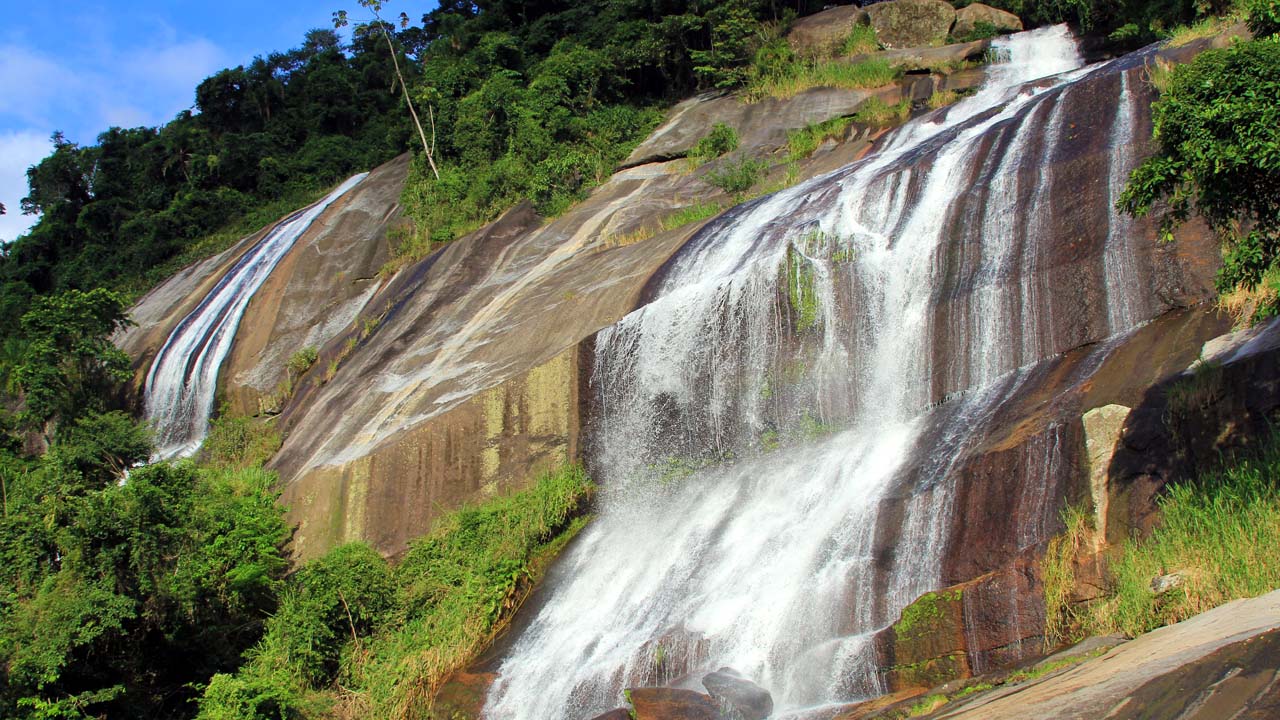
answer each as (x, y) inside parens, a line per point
(736, 527)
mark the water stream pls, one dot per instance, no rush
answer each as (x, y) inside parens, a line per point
(184, 375)
(750, 424)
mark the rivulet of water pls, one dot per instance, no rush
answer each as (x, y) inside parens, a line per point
(184, 375)
(751, 424)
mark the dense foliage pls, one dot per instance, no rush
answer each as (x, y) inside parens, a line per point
(282, 127)
(118, 589)
(1218, 130)
(356, 635)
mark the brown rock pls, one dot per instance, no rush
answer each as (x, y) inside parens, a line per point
(821, 34)
(748, 700)
(912, 23)
(615, 714)
(969, 16)
(672, 704)
(463, 694)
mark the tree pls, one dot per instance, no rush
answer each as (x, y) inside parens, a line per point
(375, 7)
(69, 366)
(1218, 133)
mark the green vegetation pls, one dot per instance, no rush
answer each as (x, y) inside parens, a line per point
(356, 634)
(981, 31)
(802, 143)
(801, 292)
(266, 138)
(1062, 619)
(861, 40)
(301, 361)
(1220, 535)
(926, 705)
(119, 591)
(1216, 541)
(876, 112)
(720, 140)
(924, 612)
(737, 177)
(798, 75)
(1217, 126)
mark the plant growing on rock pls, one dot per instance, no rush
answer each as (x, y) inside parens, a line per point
(1218, 134)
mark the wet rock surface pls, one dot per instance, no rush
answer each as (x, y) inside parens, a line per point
(748, 700)
(672, 704)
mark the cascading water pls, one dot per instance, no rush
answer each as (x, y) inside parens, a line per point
(184, 375)
(737, 526)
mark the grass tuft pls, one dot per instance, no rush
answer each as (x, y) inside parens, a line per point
(801, 75)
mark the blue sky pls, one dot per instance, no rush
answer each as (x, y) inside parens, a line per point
(82, 67)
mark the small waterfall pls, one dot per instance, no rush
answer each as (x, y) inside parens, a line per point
(773, 414)
(184, 375)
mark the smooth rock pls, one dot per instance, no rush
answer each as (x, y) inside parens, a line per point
(912, 23)
(1103, 428)
(727, 685)
(1225, 655)
(821, 34)
(969, 16)
(615, 714)
(656, 703)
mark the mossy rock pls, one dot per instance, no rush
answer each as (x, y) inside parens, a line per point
(912, 23)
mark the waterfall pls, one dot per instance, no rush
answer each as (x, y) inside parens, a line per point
(184, 375)
(754, 424)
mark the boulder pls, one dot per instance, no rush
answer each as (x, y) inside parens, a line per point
(656, 703)
(821, 34)
(968, 17)
(912, 23)
(748, 700)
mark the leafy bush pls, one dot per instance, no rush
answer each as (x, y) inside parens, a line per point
(720, 140)
(391, 637)
(1264, 17)
(1218, 131)
(737, 177)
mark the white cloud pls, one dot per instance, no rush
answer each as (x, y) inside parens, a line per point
(18, 151)
(124, 86)
(109, 84)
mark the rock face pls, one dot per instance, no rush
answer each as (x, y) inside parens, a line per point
(821, 34)
(968, 17)
(317, 290)
(748, 700)
(1214, 665)
(672, 704)
(911, 23)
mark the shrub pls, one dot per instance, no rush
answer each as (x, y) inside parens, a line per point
(737, 177)
(1218, 130)
(1264, 17)
(302, 361)
(722, 139)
